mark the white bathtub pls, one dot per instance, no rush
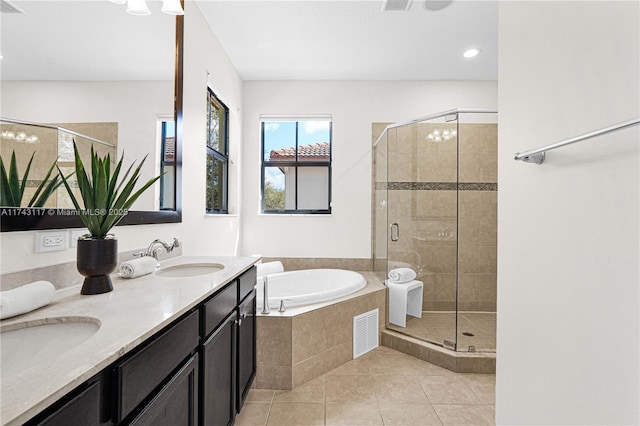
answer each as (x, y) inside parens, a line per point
(298, 288)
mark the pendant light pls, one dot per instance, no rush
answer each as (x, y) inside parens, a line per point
(172, 7)
(138, 7)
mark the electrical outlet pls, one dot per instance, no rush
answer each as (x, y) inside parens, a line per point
(51, 241)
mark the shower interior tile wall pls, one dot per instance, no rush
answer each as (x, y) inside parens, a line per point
(428, 217)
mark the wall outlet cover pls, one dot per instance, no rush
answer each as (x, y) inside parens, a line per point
(52, 241)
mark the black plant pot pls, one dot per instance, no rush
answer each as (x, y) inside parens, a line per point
(96, 260)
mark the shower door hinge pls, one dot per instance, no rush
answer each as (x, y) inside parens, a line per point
(449, 345)
(450, 117)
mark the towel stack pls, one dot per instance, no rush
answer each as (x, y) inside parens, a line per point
(402, 275)
(26, 298)
(263, 269)
(137, 267)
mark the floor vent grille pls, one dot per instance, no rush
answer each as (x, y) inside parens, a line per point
(365, 333)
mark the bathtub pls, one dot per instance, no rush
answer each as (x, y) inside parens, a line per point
(308, 286)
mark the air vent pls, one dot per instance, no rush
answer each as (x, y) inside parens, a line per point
(7, 6)
(395, 5)
(365, 333)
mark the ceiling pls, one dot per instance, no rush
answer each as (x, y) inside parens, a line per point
(266, 40)
(355, 40)
(86, 41)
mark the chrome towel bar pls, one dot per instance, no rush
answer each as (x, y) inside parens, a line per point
(537, 156)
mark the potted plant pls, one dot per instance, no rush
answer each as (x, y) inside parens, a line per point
(106, 201)
(12, 187)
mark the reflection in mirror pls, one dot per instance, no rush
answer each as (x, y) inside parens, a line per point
(101, 73)
(39, 150)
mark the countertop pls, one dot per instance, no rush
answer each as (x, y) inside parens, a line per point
(134, 311)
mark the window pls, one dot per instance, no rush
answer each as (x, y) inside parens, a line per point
(217, 154)
(167, 164)
(296, 165)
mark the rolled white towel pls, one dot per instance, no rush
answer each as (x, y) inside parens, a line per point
(402, 275)
(25, 298)
(137, 267)
(268, 268)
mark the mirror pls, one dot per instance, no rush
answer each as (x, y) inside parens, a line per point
(88, 65)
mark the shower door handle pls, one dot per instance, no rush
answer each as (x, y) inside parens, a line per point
(395, 226)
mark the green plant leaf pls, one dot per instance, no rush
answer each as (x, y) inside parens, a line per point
(6, 196)
(106, 198)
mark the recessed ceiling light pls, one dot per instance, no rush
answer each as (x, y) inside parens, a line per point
(470, 53)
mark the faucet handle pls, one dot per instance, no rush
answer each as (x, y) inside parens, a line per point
(138, 254)
(176, 242)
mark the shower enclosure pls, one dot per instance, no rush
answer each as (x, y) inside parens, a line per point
(435, 211)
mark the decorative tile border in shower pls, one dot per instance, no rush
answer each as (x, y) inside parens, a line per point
(436, 186)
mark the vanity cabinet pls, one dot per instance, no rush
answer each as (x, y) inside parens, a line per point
(246, 347)
(218, 371)
(83, 409)
(196, 371)
(139, 374)
(176, 403)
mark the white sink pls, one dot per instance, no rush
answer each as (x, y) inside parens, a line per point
(25, 344)
(189, 270)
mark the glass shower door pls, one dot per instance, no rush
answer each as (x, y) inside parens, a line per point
(422, 221)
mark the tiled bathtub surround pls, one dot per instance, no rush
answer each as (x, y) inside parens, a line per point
(303, 343)
(299, 263)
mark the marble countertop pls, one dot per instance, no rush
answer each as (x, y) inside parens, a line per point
(134, 311)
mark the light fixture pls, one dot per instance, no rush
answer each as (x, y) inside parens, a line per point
(438, 135)
(19, 136)
(172, 7)
(118, 1)
(138, 7)
(471, 53)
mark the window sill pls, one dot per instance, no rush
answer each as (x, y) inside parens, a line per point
(221, 215)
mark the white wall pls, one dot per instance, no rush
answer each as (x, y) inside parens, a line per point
(201, 234)
(134, 105)
(354, 105)
(568, 230)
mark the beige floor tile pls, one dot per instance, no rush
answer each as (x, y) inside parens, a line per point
(349, 389)
(356, 367)
(296, 414)
(312, 391)
(398, 390)
(480, 379)
(450, 393)
(253, 414)
(260, 395)
(486, 394)
(409, 414)
(353, 415)
(476, 415)
(396, 364)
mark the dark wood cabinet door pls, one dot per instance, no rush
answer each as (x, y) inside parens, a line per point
(81, 410)
(218, 375)
(177, 403)
(246, 347)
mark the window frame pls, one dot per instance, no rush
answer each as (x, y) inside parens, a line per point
(296, 164)
(223, 157)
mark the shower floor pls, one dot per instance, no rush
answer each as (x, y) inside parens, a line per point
(436, 327)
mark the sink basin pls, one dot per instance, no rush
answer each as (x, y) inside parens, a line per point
(189, 270)
(29, 343)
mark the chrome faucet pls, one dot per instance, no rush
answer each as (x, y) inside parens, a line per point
(265, 296)
(152, 250)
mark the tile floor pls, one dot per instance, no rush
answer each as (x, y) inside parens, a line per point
(382, 387)
(437, 327)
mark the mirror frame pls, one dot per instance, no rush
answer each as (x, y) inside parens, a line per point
(31, 219)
